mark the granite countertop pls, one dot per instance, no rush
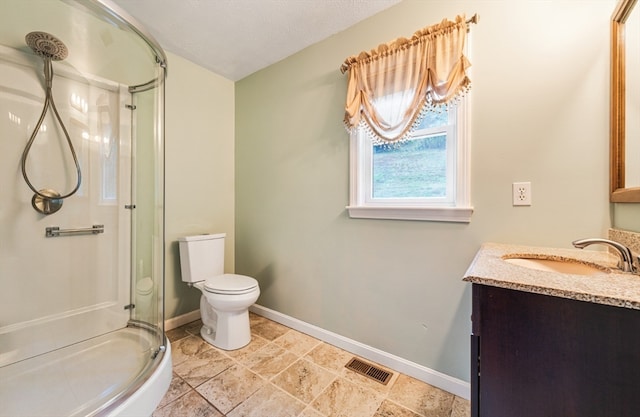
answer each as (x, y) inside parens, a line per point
(611, 287)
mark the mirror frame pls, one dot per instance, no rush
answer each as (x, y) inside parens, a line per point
(618, 192)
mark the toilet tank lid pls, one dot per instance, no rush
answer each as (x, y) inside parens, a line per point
(202, 237)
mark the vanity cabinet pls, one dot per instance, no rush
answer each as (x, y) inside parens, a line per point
(535, 355)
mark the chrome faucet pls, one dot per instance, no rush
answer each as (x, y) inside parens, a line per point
(625, 263)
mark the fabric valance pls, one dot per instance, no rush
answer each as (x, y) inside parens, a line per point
(391, 87)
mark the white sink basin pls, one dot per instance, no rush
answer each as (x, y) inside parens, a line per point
(560, 266)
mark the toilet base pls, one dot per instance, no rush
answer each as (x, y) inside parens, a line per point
(233, 332)
(226, 330)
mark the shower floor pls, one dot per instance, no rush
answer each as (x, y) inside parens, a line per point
(77, 379)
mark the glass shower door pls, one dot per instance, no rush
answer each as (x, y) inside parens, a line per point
(148, 214)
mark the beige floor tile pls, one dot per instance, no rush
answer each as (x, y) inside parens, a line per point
(176, 334)
(228, 389)
(268, 329)
(391, 409)
(203, 366)
(255, 319)
(187, 348)
(177, 388)
(461, 408)
(241, 354)
(329, 357)
(422, 398)
(304, 380)
(193, 327)
(189, 405)
(268, 401)
(269, 361)
(346, 399)
(311, 412)
(296, 342)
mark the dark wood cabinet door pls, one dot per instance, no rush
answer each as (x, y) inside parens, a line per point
(542, 356)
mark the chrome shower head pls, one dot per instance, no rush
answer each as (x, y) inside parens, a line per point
(47, 45)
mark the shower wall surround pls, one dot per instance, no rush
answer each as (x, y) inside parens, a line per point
(51, 284)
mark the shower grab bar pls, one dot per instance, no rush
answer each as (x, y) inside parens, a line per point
(56, 231)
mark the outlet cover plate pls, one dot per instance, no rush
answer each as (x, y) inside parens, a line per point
(521, 193)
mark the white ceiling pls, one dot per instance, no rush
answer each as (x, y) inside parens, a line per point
(235, 38)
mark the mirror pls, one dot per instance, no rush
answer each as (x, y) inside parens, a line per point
(625, 100)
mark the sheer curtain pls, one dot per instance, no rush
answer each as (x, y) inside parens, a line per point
(392, 86)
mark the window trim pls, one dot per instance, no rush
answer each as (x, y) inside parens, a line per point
(459, 211)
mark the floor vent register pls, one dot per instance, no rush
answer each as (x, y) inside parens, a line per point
(370, 371)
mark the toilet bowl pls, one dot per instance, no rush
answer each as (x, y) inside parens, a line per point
(226, 298)
(225, 310)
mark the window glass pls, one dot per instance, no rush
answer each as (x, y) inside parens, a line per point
(416, 168)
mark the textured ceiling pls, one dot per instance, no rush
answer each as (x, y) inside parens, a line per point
(235, 38)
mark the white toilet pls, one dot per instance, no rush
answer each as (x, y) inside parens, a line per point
(226, 298)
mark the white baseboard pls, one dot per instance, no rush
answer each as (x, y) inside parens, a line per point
(422, 373)
(178, 321)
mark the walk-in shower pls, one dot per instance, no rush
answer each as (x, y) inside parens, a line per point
(81, 286)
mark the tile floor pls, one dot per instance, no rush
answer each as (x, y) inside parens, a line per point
(284, 373)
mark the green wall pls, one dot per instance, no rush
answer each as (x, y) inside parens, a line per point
(626, 216)
(539, 113)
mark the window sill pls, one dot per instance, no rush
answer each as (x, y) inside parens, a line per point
(439, 214)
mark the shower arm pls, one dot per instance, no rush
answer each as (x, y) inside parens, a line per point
(49, 102)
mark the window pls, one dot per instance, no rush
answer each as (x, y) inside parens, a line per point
(400, 168)
(425, 177)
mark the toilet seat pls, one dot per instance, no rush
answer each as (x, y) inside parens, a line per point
(231, 284)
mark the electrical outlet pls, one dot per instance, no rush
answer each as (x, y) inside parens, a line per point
(521, 193)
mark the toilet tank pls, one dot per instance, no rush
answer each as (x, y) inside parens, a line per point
(201, 256)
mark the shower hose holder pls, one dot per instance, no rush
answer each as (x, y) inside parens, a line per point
(46, 201)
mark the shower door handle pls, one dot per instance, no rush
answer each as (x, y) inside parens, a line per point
(56, 231)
